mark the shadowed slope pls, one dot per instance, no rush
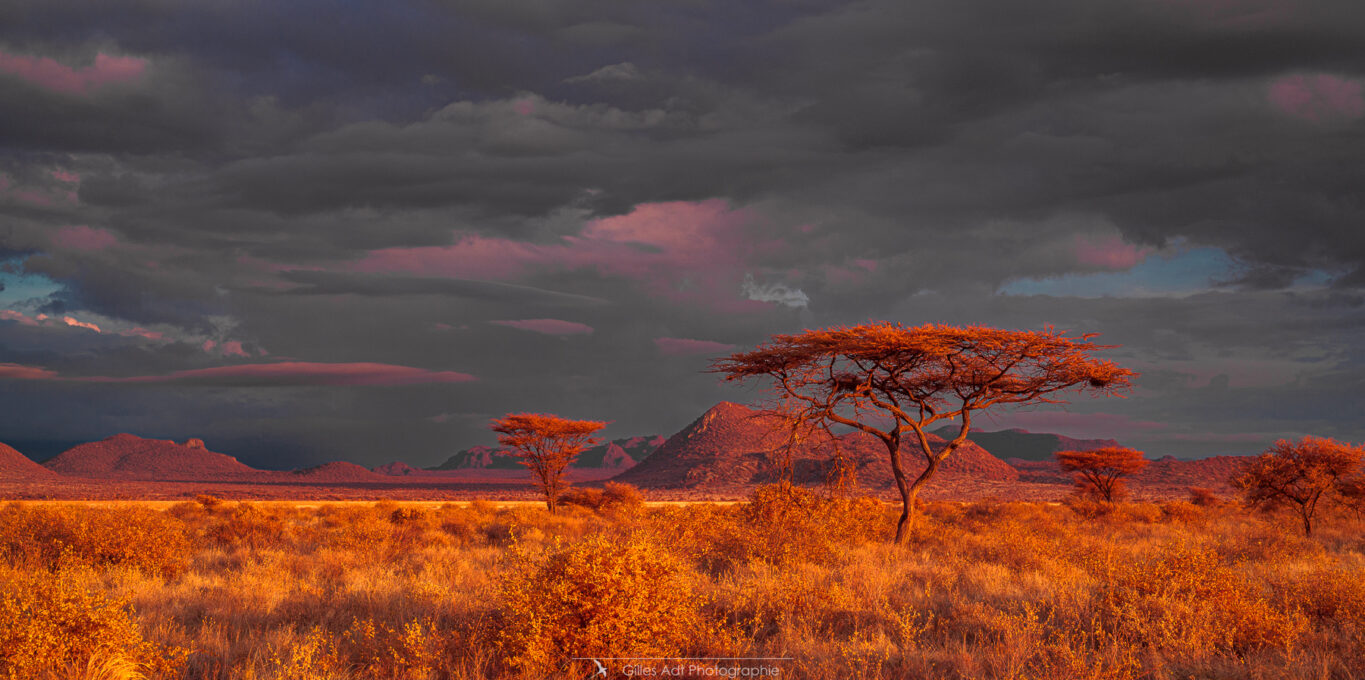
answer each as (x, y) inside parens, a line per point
(1025, 445)
(15, 465)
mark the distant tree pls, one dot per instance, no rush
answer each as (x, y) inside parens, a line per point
(893, 382)
(1351, 493)
(1101, 471)
(1298, 475)
(546, 445)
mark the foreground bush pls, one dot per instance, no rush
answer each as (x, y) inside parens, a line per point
(51, 627)
(603, 596)
(65, 536)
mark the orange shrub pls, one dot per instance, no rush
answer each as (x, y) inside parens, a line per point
(1204, 498)
(58, 537)
(248, 526)
(1190, 601)
(314, 657)
(613, 496)
(783, 525)
(409, 650)
(50, 627)
(1181, 511)
(603, 596)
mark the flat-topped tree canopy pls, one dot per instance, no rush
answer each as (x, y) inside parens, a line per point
(546, 445)
(884, 377)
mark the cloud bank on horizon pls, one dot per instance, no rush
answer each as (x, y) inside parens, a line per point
(309, 240)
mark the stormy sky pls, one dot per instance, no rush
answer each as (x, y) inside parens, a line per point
(309, 231)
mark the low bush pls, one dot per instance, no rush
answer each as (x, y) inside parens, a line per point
(52, 628)
(602, 596)
(612, 497)
(65, 536)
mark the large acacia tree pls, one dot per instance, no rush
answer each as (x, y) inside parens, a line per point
(893, 382)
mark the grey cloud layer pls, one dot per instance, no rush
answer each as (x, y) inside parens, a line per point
(898, 160)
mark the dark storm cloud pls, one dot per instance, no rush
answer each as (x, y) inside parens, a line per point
(334, 283)
(221, 184)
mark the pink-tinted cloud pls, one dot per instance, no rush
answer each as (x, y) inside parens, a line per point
(141, 332)
(684, 251)
(66, 176)
(1109, 252)
(1318, 98)
(20, 372)
(678, 347)
(52, 75)
(301, 373)
(81, 237)
(524, 107)
(233, 348)
(70, 321)
(548, 326)
(855, 273)
(31, 197)
(20, 317)
(47, 321)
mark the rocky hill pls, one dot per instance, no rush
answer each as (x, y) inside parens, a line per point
(731, 446)
(334, 472)
(127, 456)
(397, 469)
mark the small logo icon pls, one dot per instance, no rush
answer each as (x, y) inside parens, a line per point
(601, 670)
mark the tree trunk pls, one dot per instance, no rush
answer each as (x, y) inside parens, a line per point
(1307, 522)
(907, 500)
(920, 481)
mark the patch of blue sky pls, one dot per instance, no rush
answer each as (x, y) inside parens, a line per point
(1183, 272)
(21, 286)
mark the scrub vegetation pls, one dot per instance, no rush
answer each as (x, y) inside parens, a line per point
(216, 589)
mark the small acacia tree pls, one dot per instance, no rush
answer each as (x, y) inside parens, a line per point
(1101, 471)
(893, 382)
(1298, 475)
(546, 445)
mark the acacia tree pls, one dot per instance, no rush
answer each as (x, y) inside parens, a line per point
(893, 382)
(1299, 475)
(546, 445)
(1101, 471)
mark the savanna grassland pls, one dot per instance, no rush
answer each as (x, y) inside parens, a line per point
(215, 589)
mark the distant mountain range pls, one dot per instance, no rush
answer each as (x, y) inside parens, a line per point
(728, 448)
(1025, 445)
(617, 453)
(130, 457)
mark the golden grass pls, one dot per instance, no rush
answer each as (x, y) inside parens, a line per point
(257, 591)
